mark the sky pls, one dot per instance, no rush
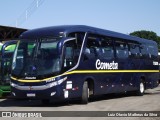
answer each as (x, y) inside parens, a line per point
(124, 16)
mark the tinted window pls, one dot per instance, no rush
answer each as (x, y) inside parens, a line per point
(153, 51)
(134, 50)
(121, 49)
(92, 49)
(71, 54)
(107, 49)
(144, 51)
(79, 36)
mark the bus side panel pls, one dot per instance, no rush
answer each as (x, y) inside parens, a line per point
(126, 79)
(103, 82)
(152, 80)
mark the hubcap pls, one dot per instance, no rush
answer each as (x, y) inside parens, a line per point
(88, 92)
(141, 87)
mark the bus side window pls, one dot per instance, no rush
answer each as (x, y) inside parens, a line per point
(121, 49)
(79, 38)
(92, 49)
(69, 55)
(153, 51)
(144, 52)
(134, 50)
(107, 49)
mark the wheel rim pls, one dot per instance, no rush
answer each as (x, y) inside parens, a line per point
(141, 87)
(88, 92)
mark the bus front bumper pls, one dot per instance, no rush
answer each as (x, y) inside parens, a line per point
(53, 93)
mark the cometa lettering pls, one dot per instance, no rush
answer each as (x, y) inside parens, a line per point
(106, 66)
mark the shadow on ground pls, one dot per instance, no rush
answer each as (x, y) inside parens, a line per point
(37, 103)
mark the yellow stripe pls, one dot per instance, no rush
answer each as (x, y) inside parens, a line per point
(88, 72)
(113, 71)
(21, 80)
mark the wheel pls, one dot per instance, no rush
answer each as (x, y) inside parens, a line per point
(85, 93)
(141, 89)
(45, 101)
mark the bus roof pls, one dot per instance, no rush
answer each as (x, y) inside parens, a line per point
(66, 29)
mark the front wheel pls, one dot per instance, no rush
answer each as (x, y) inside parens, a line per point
(85, 93)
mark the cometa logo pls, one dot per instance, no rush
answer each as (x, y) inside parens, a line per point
(106, 66)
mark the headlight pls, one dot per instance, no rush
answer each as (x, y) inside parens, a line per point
(13, 84)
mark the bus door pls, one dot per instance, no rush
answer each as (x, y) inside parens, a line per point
(6, 61)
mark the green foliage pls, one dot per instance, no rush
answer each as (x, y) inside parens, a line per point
(147, 35)
(159, 39)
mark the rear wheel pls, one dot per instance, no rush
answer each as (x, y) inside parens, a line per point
(141, 89)
(85, 93)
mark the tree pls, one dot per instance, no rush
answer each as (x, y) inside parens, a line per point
(147, 35)
(159, 40)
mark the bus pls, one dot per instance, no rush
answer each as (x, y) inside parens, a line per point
(78, 62)
(6, 54)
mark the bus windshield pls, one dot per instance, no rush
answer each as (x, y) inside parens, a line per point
(36, 59)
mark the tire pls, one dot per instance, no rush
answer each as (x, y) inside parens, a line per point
(85, 93)
(45, 101)
(141, 89)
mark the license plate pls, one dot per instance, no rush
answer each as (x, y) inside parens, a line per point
(31, 94)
